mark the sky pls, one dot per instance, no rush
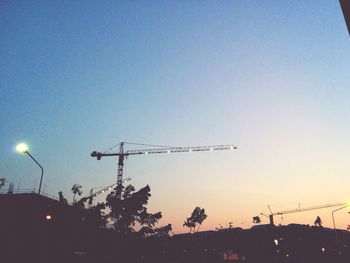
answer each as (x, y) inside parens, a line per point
(271, 77)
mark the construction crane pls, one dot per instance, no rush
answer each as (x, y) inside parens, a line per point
(122, 154)
(299, 209)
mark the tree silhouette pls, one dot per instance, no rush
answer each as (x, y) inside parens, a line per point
(256, 220)
(318, 222)
(128, 212)
(197, 217)
(95, 216)
(61, 198)
(76, 189)
(163, 231)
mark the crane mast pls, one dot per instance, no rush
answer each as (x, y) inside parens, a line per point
(120, 164)
(122, 154)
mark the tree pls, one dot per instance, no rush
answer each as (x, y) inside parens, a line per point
(163, 231)
(95, 216)
(76, 189)
(128, 212)
(61, 198)
(318, 222)
(256, 220)
(197, 217)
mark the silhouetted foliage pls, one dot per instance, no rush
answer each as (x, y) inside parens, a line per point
(163, 231)
(61, 198)
(256, 220)
(318, 222)
(81, 202)
(128, 212)
(76, 189)
(196, 219)
(95, 217)
(220, 227)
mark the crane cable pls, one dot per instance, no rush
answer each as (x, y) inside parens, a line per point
(134, 143)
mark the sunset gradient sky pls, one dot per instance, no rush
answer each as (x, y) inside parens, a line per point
(271, 77)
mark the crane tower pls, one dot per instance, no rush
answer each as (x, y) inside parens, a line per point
(122, 154)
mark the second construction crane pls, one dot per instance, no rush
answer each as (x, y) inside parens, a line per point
(299, 209)
(122, 154)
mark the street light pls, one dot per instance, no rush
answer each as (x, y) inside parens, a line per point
(23, 148)
(335, 230)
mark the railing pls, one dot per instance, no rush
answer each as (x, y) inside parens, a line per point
(28, 191)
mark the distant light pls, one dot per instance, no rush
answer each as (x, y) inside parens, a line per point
(103, 191)
(168, 151)
(146, 152)
(48, 217)
(211, 149)
(190, 150)
(22, 148)
(323, 249)
(276, 242)
(232, 147)
(287, 255)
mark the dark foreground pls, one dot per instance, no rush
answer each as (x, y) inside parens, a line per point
(28, 236)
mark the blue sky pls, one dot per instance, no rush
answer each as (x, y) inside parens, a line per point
(269, 76)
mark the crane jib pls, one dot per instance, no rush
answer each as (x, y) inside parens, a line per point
(182, 149)
(166, 150)
(123, 154)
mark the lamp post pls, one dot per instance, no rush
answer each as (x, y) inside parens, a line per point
(23, 148)
(335, 230)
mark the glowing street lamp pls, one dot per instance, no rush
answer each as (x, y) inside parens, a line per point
(48, 217)
(23, 148)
